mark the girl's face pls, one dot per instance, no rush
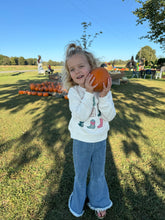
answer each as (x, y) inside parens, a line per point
(79, 68)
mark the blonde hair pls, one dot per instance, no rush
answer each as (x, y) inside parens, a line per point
(74, 49)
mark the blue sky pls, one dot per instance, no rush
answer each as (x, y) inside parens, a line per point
(45, 27)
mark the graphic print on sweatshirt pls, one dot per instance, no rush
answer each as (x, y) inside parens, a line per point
(92, 124)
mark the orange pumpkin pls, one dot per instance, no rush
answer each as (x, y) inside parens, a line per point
(20, 92)
(34, 93)
(39, 93)
(29, 92)
(32, 86)
(36, 88)
(101, 76)
(38, 85)
(46, 89)
(66, 97)
(55, 89)
(50, 89)
(41, 89)
(45, 94)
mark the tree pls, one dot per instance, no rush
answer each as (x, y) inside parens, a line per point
(146, 53)
(161, 62)
(1, 59)
(31, 61)
(5, 60)
(21, 61)
(153, 12)
(14, 60)
(51, 62)
(87, 39)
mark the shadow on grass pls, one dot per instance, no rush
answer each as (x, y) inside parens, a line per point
(128, 203)
(16, 74)
(26, 156)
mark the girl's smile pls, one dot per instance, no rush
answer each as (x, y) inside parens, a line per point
(81, 76)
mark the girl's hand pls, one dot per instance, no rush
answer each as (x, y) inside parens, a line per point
(88, 83)
(105, 90)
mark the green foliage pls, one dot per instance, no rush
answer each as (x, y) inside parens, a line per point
(21, 61)
(5, 60)
(86, 40)
(153, 12)
(118, 62)
(161, 62)
(51, 62)
(146, 53)
(14, 60)
(54, 63)
(31, 61)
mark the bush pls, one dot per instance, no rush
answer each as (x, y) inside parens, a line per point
(161, 62)
(147, 67)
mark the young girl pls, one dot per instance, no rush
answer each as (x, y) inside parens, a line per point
(90, 115)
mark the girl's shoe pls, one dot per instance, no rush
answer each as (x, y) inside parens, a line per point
(100, 214)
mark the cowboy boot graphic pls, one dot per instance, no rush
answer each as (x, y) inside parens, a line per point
(92, 124)
(101, 123)
(81, 123)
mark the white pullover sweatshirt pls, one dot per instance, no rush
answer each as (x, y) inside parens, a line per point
(90, 114)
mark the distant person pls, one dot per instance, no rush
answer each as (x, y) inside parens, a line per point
(50, 70)
(39, 62)
(91, 112)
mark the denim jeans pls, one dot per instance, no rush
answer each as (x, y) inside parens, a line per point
(89, 156)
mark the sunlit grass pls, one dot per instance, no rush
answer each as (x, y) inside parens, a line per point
(36, 175)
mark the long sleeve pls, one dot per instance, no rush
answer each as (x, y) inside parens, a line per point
(106, 107)
(80, 107)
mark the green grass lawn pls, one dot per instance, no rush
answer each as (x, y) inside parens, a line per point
(36, 175)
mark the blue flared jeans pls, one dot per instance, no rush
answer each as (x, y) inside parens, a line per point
(89, 156)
